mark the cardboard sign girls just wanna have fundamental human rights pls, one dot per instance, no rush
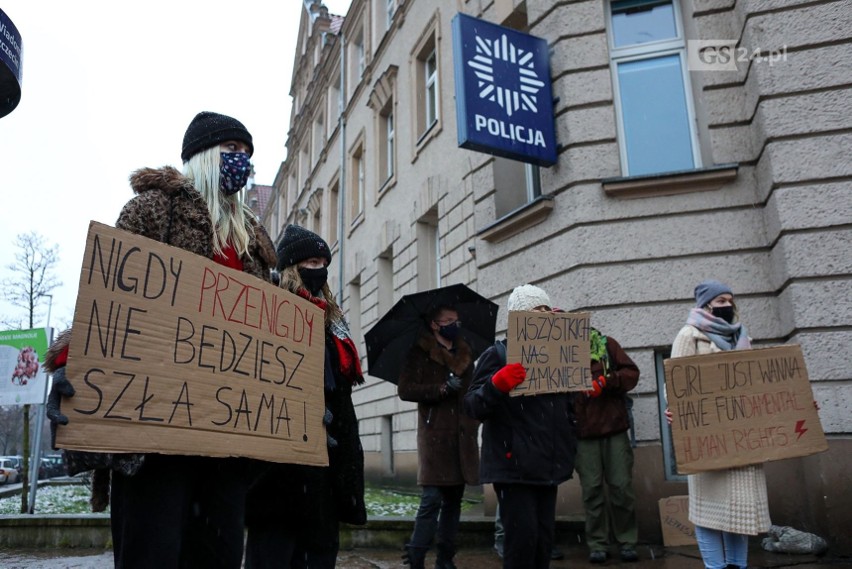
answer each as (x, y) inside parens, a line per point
(741, 407)
(554, 348)
(173, 353)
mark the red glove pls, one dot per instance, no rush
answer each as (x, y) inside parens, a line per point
(597, 386)
(508, 377)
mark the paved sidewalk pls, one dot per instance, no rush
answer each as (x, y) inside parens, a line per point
(652, 557)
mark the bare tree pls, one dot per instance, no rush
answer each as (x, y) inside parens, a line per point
(31, 283)
(32, 280)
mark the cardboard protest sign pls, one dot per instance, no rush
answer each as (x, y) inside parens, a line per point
(741, 407)
(175, 354)
(554, 347)
(22, 377)
(674, 519)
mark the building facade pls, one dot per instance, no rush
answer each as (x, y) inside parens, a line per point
(697, 139)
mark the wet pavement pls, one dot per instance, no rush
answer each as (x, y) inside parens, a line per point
(651, 557)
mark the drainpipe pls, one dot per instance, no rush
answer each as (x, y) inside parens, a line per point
(341, 193)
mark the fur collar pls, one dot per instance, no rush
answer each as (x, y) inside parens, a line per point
(265, 248)
(169, 180)
(166, 179)
(458, 362)
(62, 341)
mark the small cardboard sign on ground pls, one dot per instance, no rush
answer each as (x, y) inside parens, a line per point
(674, 519)
(741, 407)
(554, 347)
(173, 353)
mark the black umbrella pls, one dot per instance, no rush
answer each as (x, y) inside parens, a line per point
(389, 341)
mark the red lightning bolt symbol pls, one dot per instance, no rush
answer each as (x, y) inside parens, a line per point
(800, 428)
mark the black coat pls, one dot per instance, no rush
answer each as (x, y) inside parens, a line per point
(447, 451)
(526, 439)
(311, 501)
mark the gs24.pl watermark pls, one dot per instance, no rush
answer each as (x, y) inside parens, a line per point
(725, 55)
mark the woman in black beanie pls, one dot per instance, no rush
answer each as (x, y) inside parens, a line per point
(188, 511)
(293, 514)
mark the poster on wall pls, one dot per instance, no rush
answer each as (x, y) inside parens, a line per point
(22, 377)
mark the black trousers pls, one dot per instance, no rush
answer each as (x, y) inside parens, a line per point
(275, 546)
(528, 513)
(181, 512)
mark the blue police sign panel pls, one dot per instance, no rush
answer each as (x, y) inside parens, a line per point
(504, 103)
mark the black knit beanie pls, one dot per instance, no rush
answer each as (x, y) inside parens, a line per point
(299, 244)
(209, 129)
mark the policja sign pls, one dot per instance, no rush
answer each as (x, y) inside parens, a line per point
(504, 103)
(11, 70)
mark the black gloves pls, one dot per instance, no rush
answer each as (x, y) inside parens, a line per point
(327, 418)
(61, 388)
(454, 383)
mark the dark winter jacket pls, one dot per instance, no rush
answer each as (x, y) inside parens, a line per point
(607, 414)
(526, 439)
(309, 502)
(447, 450)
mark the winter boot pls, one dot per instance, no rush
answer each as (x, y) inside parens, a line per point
(414, 557)
(445, 557)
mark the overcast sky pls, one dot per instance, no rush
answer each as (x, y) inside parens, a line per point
(109, 87)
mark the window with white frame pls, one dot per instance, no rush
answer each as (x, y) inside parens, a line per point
(360, 55)
(333, 211)
(387, 142)
(428, 251)
(304, 166)
(316, 222)
(390, 7)
(358, 182)
(430, 70)
(333, 103)
(357, 53)
(319, 136)
(656, 127)
(426, 82)
(382, 100)
(384, 280)
(516, 184)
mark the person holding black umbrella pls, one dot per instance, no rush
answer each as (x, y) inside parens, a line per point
(293, 513)
(528, 445)
(436, 374)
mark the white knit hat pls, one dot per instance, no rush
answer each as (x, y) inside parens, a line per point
(527, 297)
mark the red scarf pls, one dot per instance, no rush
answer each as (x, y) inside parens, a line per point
(347, 353)
(229, 257)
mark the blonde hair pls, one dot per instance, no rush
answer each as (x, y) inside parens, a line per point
(230, 215)
(290, 280)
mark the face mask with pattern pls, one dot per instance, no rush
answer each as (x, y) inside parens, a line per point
(234, 172)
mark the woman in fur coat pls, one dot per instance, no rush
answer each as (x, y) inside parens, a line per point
(294, 512)
(436, 375)
(186, 511)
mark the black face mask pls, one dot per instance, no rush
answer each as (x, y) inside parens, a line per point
(314, 279)
(449, 332)
(726, 313)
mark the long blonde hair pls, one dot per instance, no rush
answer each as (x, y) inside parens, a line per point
(290, 280)
(230, 215)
